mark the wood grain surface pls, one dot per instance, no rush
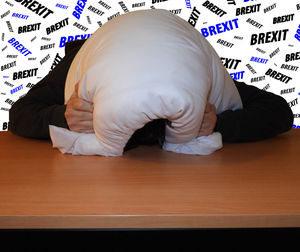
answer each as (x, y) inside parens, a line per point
(241, 185)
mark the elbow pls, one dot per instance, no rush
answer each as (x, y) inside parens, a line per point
(15, 119)
(286, 115)
(12, 124)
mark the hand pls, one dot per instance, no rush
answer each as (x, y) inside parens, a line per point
(79, 114)
(209, 120)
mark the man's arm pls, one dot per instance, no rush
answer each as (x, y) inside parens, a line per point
(31, 115)
(264, 115)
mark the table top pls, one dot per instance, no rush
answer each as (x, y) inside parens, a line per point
(242, 185)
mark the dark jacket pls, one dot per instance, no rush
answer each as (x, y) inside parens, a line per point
(264, 114)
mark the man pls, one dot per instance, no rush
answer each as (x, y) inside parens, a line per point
(264, 114)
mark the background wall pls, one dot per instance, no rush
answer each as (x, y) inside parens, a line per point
(258, 41)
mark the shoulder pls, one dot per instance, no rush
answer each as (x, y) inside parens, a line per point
(250, 93)
(75, 44)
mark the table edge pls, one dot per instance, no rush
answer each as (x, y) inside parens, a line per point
(149, 222)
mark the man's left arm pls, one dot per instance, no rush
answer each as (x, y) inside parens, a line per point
(264, 115)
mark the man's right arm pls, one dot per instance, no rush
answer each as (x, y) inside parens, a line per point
(31, 115)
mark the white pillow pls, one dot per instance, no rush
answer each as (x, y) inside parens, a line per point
(142, 66)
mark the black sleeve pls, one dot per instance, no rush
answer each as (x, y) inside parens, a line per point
(264, 115)
(31, 115)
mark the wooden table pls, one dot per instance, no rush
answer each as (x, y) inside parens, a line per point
(241, 185)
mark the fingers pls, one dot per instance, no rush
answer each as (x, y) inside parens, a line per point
(76, 103)
(79, 121)
(72, 114)
(84, 127)
(76, 88)
(75, 93)
(83, 105)
(210, 108)
(207, 108)
(80, 104)
(209, 120)
(79, 114)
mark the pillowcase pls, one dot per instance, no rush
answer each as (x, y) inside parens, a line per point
(142, 66)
